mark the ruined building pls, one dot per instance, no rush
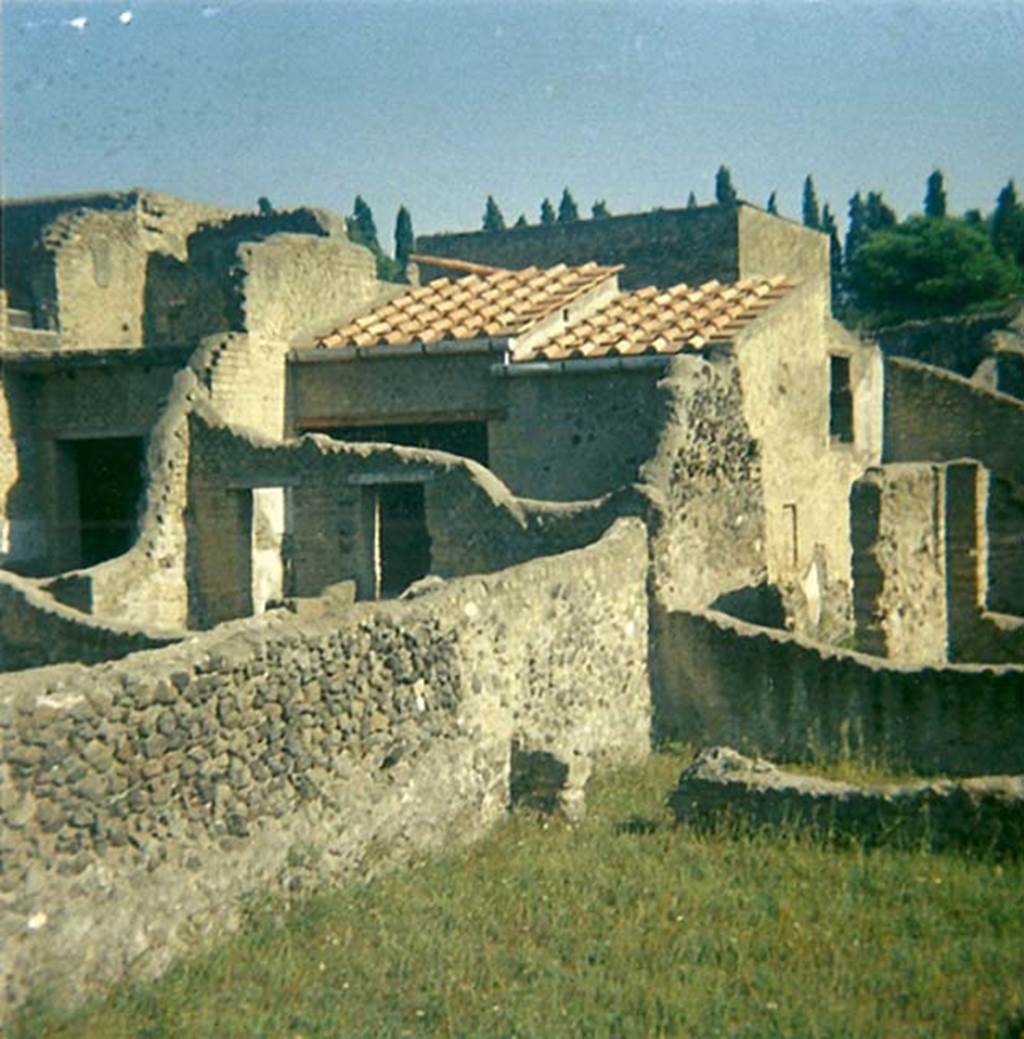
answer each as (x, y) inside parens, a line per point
(385, 545)
(729, 408)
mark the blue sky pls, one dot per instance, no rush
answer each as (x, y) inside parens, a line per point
(437, 104)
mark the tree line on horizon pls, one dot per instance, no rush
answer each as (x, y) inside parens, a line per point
(885, 270)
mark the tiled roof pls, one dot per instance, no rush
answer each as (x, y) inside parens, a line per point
(667, 321)
(491, 303)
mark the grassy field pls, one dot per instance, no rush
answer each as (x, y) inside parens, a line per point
(623, 926)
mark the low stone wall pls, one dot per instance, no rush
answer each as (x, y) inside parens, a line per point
(720, 680)
(35, 630)
(984, 813)
(138, 800)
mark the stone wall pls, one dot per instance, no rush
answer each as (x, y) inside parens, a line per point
(57, 276)
(473, 522)
(958, 344)
(985, 814)
(898, 525)
(662, 247)
(806, 473)
(96, 264)
(141, 799)
(706, 478)
(35, 631)
(558, 436)
(934, 415)
(720, 680)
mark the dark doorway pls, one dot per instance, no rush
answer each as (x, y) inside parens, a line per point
(404, 543)
(468, 439)
(109, 474)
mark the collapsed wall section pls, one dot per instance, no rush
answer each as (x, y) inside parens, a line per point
(140, 799)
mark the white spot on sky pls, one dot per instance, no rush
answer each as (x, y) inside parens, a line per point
(79, 23)
(211, 12)
(125, 17)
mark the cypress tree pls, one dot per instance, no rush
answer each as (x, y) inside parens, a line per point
(773, 206)
(521, 221)
(1007, 228)
(725, 193)
(547, 212)
(493, 219)
(264, 205)
(877, 215)
(812, 217)
(403, 237)
(361, 227)
(568, 211)
(691, 202)
(856, 229)
(935, 196)
(598, 211)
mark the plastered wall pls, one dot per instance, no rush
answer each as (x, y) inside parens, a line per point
(139, 800)
(806, 473)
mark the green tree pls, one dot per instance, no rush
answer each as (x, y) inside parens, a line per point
(568, 211)
(598, 211)
(403, 238)
(264, 205)
(856, 228)
(922, 268)
(547, 212)
(877, 215)
(773, 205)
(725, 193)
(691, 202)
(493, 219)
(811, 215)
(521, 221)
(1008, 225)
(935, 196)
(361, 226)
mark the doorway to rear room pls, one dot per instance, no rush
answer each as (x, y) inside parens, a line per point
(108, 475)
(402, 542)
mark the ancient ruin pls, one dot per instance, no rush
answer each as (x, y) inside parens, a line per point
(297, 558)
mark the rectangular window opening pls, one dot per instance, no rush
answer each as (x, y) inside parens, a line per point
(840, 400)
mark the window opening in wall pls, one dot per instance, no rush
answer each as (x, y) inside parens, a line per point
(109, 477)
(403, 542)
(468, 439)
(840, 400)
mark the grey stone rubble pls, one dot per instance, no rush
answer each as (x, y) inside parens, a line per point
(985, 813)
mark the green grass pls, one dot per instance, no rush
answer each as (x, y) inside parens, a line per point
(623, 926)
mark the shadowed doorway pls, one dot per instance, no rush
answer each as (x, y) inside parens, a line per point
(109, 478)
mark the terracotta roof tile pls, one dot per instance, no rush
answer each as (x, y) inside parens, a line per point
(489, 301)
(499, 302)
(666, 322)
